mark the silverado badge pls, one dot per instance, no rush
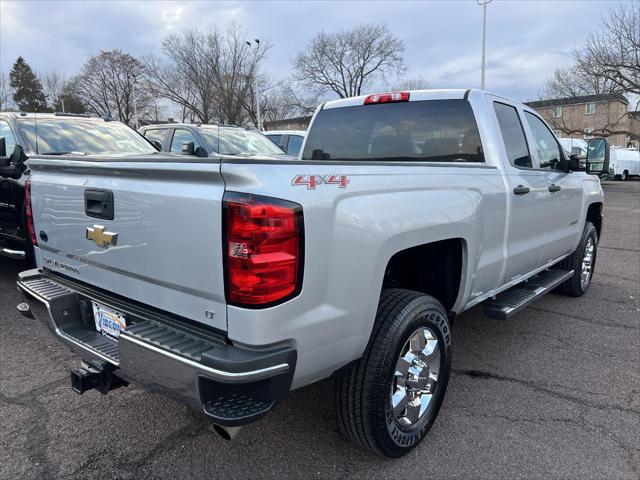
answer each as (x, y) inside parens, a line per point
(103, 239)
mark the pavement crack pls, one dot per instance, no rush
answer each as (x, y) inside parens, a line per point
(544, 390)
(586, 320)
(37, 442)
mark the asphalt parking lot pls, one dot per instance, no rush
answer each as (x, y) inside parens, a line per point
(554, 393)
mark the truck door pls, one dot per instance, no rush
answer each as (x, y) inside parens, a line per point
(527, 196)
(562, 223)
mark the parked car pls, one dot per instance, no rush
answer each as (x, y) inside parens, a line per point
(229, 282)
(51, 135)
(289, 140)
(210, 140)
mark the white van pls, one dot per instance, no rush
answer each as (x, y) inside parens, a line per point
(623, 163)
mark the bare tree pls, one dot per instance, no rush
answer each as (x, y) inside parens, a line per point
(6, 94)
(613, 53)
(53, 85)
(210, 75)
(348, 61)
(106, 85)
(608, 63)
(418, 83)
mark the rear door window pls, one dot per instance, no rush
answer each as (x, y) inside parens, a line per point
(157, 134)
(9, 139)
(423, 131)
(294, 144)
(181, 136)
(513, 135)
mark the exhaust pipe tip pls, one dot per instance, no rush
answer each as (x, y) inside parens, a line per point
(228, 433)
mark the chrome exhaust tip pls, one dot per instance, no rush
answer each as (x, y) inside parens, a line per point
(228, 433)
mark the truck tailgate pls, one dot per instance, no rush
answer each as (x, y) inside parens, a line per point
(163, 245)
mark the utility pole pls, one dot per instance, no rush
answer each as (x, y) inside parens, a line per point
(62, 101)
(255, 83)
(135, 103)
(484, 4)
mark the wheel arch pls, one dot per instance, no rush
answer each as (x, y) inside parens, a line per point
(435, 268)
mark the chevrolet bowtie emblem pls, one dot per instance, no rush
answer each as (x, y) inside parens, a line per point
(103, 239)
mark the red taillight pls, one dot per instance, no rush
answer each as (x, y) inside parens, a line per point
(263, 249)
(390, 97)
(28, 212)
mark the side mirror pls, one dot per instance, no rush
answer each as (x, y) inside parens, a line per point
(16, 165)
(200, 152)
(598, 156)
(187, 148)
(576, 163)
(157, 144)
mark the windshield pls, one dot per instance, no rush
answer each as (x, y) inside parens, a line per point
(59, 136)
(237, 141)
(424, 131)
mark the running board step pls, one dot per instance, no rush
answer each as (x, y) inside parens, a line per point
(511, 301)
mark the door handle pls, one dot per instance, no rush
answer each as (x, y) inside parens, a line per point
(554, 188)
(521, 190)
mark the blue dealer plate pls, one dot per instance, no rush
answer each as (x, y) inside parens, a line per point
(108, 321)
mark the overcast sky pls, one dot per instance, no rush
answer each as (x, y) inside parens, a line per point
(526, 40)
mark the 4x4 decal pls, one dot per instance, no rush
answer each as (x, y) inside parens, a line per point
(312, 181)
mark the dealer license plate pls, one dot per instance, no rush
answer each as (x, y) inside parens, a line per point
(108, 321)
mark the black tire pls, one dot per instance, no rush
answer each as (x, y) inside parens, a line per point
(625, 175)
(363, 397)
(574, 287)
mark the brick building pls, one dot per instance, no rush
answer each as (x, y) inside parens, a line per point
(605, 115)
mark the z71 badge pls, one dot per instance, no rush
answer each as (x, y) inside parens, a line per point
(312, 181)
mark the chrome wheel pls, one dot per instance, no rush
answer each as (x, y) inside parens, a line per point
(415, 377)
(587, 264)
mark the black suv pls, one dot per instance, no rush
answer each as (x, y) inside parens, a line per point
(45, 134)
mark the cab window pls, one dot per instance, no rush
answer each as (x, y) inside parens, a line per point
(547, 147)
(294, 144)
(181, 136)
(9, 139)
(157, 134)
(513, 137)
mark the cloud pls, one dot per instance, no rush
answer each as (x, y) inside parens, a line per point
(526, 40)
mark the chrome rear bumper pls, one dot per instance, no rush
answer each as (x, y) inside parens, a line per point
(233, 385)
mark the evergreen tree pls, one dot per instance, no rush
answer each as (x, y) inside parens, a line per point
(27, 89)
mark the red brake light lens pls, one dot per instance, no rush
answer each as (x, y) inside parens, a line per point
(391, 97)
(29, 213)
(263, 249)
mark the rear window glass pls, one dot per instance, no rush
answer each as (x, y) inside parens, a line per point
(425, 131)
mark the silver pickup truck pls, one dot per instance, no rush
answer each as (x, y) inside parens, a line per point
(227, 282)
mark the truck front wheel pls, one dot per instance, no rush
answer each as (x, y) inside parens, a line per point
(388, 402)
(582, 262)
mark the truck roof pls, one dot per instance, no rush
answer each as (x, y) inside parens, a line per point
(39, 115)
(414, 96)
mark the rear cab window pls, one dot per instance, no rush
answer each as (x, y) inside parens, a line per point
(513, 136)
(157, 134)
(421, 131)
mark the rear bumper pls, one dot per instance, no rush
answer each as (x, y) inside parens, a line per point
(231, 384)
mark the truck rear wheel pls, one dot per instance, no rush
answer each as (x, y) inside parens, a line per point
(582, 262)
(388, 402)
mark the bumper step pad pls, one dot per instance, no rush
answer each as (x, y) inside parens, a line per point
(236, 407)
(511, 301)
